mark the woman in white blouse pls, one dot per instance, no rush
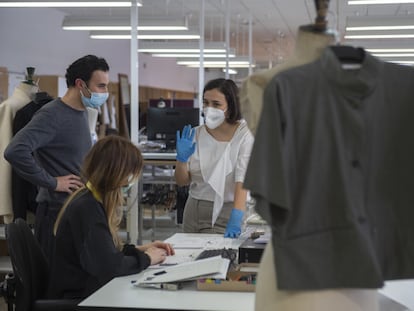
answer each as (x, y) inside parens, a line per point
(212, 159)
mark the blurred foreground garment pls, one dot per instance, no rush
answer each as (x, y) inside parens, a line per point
(332, 172)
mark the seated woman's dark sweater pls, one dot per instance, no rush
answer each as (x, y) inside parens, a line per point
(85, 256)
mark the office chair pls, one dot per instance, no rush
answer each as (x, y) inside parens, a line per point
(31, 272)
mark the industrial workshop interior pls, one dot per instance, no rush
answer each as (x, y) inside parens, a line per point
(229, 155)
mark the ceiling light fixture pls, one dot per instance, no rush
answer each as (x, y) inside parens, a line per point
(369, 28)
(408, 62)
(381, 34)
(379, 23)
(390, 36)
(122, 23)
(151, 35)
(363, 2)
(392, 50)
(393, 54)
(231, 71)
(65, 4)
(238, 62)
(182, 47)
(189, 55)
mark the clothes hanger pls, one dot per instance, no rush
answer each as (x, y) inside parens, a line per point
(349, 54)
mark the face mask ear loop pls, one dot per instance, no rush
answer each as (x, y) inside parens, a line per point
(85, 86)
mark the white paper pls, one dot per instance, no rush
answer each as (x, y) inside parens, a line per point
(210, 267)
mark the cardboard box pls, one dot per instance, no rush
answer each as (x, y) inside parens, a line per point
(241, 280)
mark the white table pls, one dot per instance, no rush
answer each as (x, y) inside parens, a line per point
(401, 291)
(120, 292)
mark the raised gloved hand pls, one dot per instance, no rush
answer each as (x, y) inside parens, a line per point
(185, 144)
(233, 228)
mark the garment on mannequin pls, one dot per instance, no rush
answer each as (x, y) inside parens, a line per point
(22, 95)
(310, 42)
(327, 180)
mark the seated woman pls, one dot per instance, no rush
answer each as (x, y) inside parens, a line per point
(88, 252)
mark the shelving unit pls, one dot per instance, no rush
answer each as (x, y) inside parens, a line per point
(157, 182)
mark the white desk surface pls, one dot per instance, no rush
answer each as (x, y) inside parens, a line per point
(401, 291)
(120, 292)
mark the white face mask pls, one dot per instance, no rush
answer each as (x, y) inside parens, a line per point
(213, 117)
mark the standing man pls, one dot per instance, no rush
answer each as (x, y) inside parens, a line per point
(49, 150)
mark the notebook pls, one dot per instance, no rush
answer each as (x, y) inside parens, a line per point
(213, 267)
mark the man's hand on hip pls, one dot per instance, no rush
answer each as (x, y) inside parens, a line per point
(68, 183)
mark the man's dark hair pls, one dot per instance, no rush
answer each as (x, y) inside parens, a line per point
(230, 90)
(83, 69)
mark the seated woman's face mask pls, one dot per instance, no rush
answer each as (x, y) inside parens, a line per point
(213, 117)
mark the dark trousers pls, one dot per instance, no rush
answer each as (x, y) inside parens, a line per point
(46, 214)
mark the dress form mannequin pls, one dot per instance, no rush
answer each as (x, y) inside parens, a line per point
(21, 96)
(269, 297)
(309, 46)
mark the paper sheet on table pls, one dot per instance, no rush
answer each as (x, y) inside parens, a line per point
(263, 239)
(213, 267)
(183, 240)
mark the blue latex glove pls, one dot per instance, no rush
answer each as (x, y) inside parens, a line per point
(185, 144)
(233, 228)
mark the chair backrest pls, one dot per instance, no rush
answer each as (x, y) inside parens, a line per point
(29, 263)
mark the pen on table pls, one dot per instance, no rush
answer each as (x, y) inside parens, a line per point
(159, 272)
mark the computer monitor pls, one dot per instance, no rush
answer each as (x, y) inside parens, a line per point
(163, 123)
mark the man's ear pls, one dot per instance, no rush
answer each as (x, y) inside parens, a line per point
(79, 83)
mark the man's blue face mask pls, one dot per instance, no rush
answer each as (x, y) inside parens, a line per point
(96, 100)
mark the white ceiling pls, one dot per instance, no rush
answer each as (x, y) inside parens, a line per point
(275, 22)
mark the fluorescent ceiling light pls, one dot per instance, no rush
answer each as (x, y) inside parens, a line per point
(151, 35)
(189, 55)
(383, 34)
(64, 4)
(393, 54)
(392, 50)
(361, 2)
(218, 65)
(230, 71)
(390, 36)
(409, 62)
(379, 28)
(182, 47)
(122, 23)
(379, 23)
(238, 62)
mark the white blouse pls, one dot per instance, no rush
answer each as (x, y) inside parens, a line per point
(216, 166)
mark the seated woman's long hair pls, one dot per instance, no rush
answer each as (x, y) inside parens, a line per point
(111, 163)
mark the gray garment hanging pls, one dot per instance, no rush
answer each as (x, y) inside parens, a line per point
(332, 172)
